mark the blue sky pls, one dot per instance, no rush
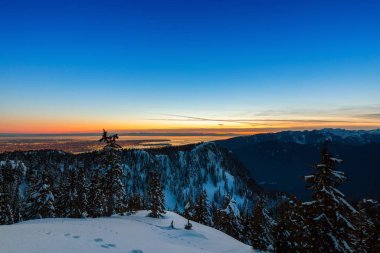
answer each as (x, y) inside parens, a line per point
(158, 64)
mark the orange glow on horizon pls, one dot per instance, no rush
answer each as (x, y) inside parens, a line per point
(61, 127)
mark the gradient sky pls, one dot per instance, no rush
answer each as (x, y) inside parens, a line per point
(206, 66)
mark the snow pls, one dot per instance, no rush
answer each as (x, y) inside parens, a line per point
(233, 207)
(336, 160)
(124, 234)
(339, 174)
(170, 200)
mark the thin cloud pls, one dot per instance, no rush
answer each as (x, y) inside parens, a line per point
(369, 116)
(248, 120)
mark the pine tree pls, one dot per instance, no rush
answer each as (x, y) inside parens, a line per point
(262, 225)
(135, 203)
(40, 199)
(6, 178)
(156, 196)
(6, 215)
(246, 232)
(369, 224)
(228, 218)
(201, 213)
(188, 210)
(79, 194)
(113, 186)
(62, 197)
(331, 217)
(290, 234)
(96, 198)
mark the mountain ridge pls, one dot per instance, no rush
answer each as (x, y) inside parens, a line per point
(278, 161)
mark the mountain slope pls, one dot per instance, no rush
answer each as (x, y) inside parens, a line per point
(279, 161)
(118, 234)
(184, 171)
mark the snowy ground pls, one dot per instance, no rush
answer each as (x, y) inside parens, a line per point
(125, 234)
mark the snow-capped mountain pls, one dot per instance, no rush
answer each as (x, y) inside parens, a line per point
(311, 137)
(184, 171)
(280, 160)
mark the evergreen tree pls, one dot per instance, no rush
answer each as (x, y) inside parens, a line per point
(369, 224)
(113, 186)
(290, 233)
(246, 232)
(6, 178)
(201, 213)
(6, 214)
(188, 211)
(262, 225)
(79, 191)
(156, 196)
(331, 218)
(135, 203)
(40, 199)
(96, 198)
(62, 197)
(228, 219)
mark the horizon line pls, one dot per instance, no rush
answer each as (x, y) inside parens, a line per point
(162, 132)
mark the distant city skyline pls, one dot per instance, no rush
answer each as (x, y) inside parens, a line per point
(209, 67)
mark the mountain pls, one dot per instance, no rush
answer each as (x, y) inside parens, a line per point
(125, 234)
(201, 181)
(184, 171)
(278, 161)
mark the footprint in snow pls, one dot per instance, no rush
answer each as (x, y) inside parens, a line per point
(76, 236)
(109, 245)
(48, 233)
(136, 251)
(66, 234)
(98, 240)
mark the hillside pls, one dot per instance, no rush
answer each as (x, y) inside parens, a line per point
(118, 234)
(278, 161)
(184, 171)
(51, 184)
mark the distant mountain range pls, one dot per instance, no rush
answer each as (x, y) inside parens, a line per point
(278, 161)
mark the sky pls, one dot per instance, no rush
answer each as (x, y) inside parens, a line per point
(188, 66)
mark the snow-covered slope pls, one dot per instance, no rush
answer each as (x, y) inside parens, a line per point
(124, 234)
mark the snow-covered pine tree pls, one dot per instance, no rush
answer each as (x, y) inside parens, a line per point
(228, 218)
(96, 198)
(290, 232)
(79, 194)
(62, 196)
(246, 232)
(369, 224)
(331, 218)
(188, 210)
(113, 186)
(40, 199)
(262, 226)
(135, 203)
(6, 178)
(156, 196)
(201, 210)
(6, 214)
